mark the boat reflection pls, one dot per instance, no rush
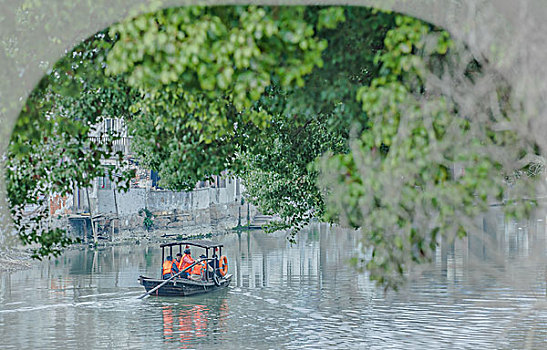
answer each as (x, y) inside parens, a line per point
(184, 324)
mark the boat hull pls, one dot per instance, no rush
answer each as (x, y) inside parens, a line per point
(180, 287)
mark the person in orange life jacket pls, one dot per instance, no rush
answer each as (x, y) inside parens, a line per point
(169, 268)
(178, 259)
(185, 262)
(198, 269)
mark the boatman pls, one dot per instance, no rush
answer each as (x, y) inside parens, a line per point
(169, 268)
(216, 264)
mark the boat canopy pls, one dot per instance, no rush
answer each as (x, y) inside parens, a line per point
(197, 243)
(167, 249)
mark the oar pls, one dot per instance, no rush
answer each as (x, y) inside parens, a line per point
(163, 283)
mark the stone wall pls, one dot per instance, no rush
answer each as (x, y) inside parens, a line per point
(200, 211)
(128, 203)
(131, 202)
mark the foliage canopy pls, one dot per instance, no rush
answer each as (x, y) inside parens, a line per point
(330, 113)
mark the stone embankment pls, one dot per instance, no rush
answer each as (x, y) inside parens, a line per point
(10, 261)
(142, 213)
(122, 218)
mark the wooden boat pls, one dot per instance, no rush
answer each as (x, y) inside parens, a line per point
(181, 287)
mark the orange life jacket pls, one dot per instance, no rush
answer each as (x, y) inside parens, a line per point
(179, 264)
(167, 267)
(196, 270)
(183, 264)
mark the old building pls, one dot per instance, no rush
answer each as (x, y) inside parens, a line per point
(211, 205)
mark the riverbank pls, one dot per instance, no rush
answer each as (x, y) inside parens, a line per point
(14, 261)
(20, 258)
(157, 236)
(158, 221)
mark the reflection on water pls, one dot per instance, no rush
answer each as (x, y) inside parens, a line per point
(486, 291)
(187, 323)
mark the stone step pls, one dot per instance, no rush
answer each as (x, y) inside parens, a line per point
(260, 220)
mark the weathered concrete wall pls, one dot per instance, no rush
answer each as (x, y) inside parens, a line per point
(128, 203)
(202, 210)
(131, 202)
(168, 200)
(201, 199)
(218, 217)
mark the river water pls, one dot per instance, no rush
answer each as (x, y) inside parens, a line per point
(484, 292)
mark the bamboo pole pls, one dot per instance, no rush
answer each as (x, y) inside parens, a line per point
(95, 240)
(116, 206)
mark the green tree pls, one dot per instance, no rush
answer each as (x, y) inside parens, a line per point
(312, 120)
(396, 183)
(200, 71)
(50, 150)
(263, 92)
(185, 79)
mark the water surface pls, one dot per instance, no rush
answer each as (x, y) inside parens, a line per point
(484, 292)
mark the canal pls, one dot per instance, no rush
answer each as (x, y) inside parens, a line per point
(486, 291)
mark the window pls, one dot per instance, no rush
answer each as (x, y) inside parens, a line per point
(108, 124)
